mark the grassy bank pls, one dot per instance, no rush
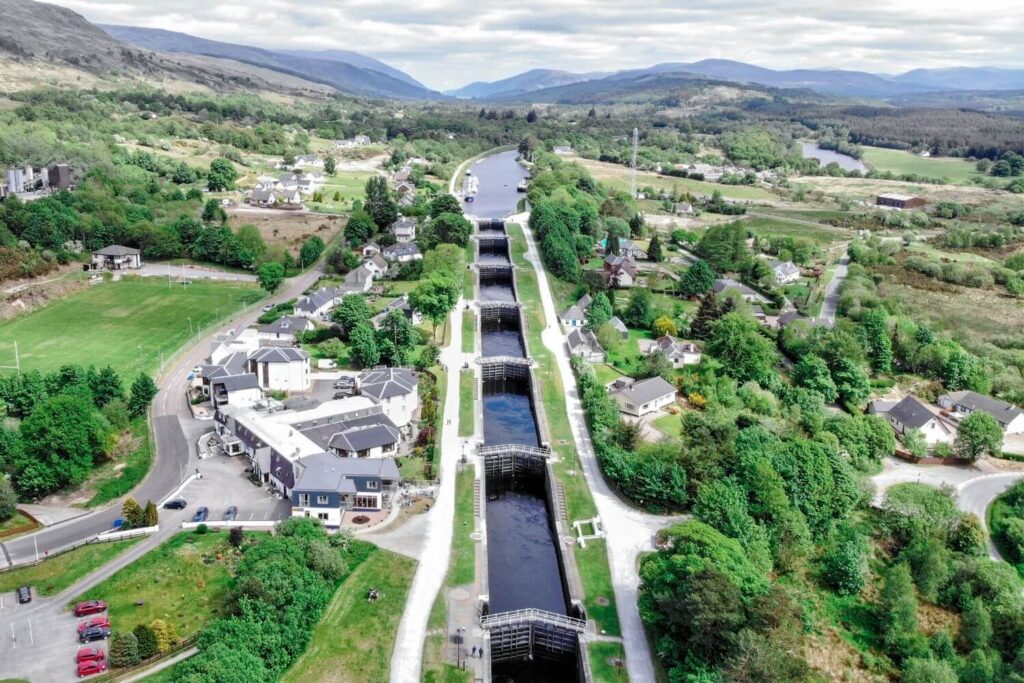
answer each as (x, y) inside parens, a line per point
(126, 324)
(467, 381)
(355, 637)
(52, 576)
(117, 477)
(468, 331)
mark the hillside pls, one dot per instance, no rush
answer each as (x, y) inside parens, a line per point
(529, 81)
(356, 59)
(340, 75)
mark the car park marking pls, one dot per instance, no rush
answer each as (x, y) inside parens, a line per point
(31, 638)
(14, 637)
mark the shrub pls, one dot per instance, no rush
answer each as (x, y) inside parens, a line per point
(236, 536)
(124, 649)
(146, 639)
(202, 529)
(166, 634)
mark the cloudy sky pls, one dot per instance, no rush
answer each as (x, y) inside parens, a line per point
(447, 43)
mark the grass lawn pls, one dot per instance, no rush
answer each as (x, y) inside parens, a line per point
(823, 235)
(117, 477)
(579, 501)
(617, 176)
(125, 324)
(164, 675)
(965, 257)
(354, 639)
(605, 373)
(16, 525)
(668, 425)
(52, 576)
(463, 567)
(349, 184)
(900, 162)
(185, 582)
(603, 656)
(468, 331)
(467, 382)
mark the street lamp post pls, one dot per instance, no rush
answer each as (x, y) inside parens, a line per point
(458, 641)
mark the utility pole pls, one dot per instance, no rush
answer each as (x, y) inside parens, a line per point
(632, 165)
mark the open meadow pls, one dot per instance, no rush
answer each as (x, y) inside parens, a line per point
(126, 324)
(954, 169)
(617, 176)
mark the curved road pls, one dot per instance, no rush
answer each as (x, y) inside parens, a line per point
(174, 431)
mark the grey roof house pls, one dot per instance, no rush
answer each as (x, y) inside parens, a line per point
(583, 343)
(963, 403)
(327, 486)
(640, 398)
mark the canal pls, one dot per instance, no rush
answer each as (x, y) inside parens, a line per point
(523, 564)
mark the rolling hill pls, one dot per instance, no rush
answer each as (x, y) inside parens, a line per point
(343, 76)
(526, 82)
(356, 59)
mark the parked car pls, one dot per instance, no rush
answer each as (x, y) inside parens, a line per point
(201, 514)
(95, 622)
(268, 307)
(176, 504)
(87, 607)
(230, 514)
(91, 667)
(345, 383)
(93, 634)
(342, 394)
(90, 654)
(24, 594)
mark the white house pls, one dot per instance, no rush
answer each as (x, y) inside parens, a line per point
(284, 331)
(583, 343)
(236, 390)
(785, 272)
(643, 397)
(621, 271)
(912, 413)
(116, 257)
(962, 403)
(402, 253)
(357, 280)
(376, 265)
(396, 389)
(370, 249)
(679, 352)
(308, 161)
(404, 229)
(317, 304)
(281, 369)
(727, 284)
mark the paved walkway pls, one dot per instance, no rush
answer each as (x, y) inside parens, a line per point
(407, 658)
(629, 531)
(830, 303)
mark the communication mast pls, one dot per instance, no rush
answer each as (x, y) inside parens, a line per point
(632, 164)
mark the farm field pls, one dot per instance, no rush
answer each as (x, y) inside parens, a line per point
(822, 235)
(955, 169)
(125, 324)
(349, 184)
(285, 229)
(618, 177)
(965, 257)
(866, 189)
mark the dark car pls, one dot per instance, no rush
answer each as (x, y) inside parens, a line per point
(89, 654)
(93, 634)
(201, 514)
(84, 609)
(230, 514)
(345, 383)
(176, 504)
(24, 594)
(93, 666)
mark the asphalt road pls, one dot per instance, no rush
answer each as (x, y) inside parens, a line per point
(831, 301)
(175, 433)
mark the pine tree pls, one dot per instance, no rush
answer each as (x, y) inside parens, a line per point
(131, 513)
(611, 247)
(150, 517)
(708, 312)
(654, 250)
(144, 390)
(146, 639)
(124, 649)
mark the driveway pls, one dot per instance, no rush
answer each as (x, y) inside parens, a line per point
(831, 301)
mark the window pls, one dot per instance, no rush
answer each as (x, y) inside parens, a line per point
(321, 500)
(371, 485)
(322, 516)
(303, 500)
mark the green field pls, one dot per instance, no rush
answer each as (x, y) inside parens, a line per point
(897, 161)
(354, 639)
(605, 658)
(52, 576)
(822, 235)
(126, 324)
(350, 184)
(617, 176)
(184, 582)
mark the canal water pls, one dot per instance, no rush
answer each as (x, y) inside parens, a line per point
(827, 156)
(523, 564)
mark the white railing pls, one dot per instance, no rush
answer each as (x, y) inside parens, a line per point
(521, 616)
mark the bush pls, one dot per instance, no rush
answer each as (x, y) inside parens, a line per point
(146, 639)
(124, 649)
(236, 536)
(166, 634)
(202, 529)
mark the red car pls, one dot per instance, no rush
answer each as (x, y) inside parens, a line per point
(91, 667)
(90, 654)
(95, 622)
(84, 609)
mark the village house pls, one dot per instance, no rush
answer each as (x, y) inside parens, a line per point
(683, 209)
(912, 413)
(308, 161)
(785, 272)
(583, 343)
(397, 389)
(620, 271)
(284, 331)
(727, 284)
(620, 327)
(357, 281)
(281, 368)
(405, 187)
(642, 397)
(960, 404)
(377, 265)
(404, 229)
(319, 303)
(679, 352)
(402, 253)
(328, 487)
(899, 201)
(400, 304)
(370, 249)
(576, 315)
(116, 257)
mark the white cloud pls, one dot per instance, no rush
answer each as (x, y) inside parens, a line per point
(446, 43)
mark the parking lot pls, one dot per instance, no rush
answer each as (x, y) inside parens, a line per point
(223, 482)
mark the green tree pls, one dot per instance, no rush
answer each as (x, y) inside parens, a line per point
(330, 165)
(106, 387)
(124, 649)
(150, 516)
(132, 513)
(398, 329)
(852, 384)
(443, 203)
(363, 344)
(654, 250)
(914, 442)
(360, 227)
(844, 564)
(222, 175)
(448, 228)
(979, 434)
(143, 391)
(435, 297)
(599, 311)
(664, 325)
(59, 443)
(967, 536)
(976, 627)
(270, 276)
(876, 329)
(447, 258)
(351, 312)
(921, 670)
(638, 311)
(811, 373)
(146, 640)
(213, 212)
(8, 500)
(898, 613)
(656, 364)
(183, 175)
(379, 204)
(745, 354)
(311, 250)
(166, 634)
